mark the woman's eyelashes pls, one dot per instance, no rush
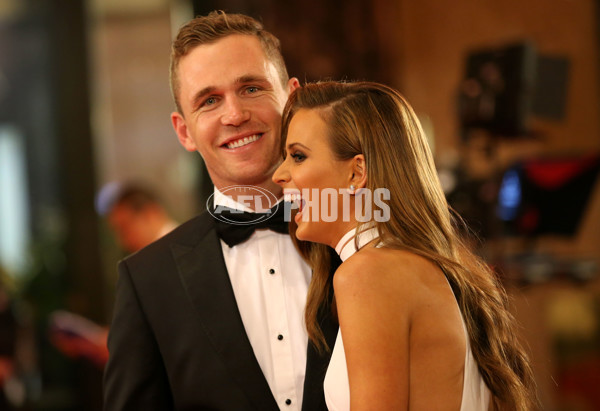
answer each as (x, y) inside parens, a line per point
(298, 156)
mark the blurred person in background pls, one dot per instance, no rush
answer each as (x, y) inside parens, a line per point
(136, 217)
(135, 214)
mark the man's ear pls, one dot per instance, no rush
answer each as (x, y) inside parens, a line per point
(293, 84)
(359, 172)
(181, 129)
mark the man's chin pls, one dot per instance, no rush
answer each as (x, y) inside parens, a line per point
(260, 176)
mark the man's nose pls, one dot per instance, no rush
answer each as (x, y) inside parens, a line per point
(236, 113)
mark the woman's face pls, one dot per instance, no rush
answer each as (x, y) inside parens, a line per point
(316, 181)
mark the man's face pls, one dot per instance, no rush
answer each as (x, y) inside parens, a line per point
(231, 97)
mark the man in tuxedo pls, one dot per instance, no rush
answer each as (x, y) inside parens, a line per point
(208, 317)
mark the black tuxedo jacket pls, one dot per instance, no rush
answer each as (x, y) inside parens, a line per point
(177, 340)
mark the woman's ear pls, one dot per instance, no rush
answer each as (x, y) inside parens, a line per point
(359, 172)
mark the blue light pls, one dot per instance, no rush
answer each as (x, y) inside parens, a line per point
(509, 197)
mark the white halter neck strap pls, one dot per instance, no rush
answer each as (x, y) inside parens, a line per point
(347, 246)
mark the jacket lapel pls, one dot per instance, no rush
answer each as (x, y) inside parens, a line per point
(204, 276)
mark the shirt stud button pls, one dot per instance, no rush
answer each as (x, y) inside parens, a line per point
(288, 401)
(280, 337)
(271, 271)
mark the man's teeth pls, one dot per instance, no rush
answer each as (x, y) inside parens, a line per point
(243, 141)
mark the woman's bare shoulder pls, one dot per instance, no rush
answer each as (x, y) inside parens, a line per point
(378, 273)
(382, 266)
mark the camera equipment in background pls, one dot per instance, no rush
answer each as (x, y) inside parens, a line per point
(503, 86)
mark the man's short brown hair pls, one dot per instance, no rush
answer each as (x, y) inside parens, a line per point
(213, 27)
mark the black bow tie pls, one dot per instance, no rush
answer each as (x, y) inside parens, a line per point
(235, 226)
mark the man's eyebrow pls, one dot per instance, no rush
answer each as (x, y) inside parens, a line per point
(292, 145)
(200, 95)
(251, 78)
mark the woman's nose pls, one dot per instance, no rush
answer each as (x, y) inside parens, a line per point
(281, 175)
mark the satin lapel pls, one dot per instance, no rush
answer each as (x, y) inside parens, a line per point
(204, 275)
(316, 363)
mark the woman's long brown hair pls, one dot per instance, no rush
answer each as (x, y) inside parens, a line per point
(376, 121)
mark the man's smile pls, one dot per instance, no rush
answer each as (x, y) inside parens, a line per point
(243, 141)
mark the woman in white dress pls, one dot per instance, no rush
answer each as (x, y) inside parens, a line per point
(423, 320)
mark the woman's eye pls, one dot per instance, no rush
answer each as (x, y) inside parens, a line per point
(298, 157)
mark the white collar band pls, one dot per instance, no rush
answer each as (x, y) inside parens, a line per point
(346, 247)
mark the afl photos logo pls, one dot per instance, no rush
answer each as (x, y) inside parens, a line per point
(262, 201)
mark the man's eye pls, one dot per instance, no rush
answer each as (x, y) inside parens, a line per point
(210, 101)
(252, 89)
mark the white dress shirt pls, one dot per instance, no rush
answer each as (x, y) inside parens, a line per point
(270, 281)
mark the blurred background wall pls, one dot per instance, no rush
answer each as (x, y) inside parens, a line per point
(508, 93)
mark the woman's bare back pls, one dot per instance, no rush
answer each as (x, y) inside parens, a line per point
(403, 333)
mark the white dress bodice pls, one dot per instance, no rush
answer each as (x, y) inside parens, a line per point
(475, 394)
